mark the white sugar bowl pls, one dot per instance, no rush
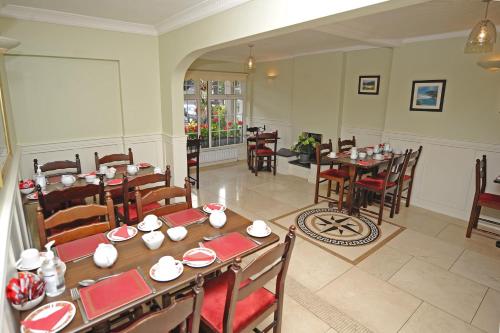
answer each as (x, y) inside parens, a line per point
(105, 255)
(218, 219)
(177, 234)
(68, 180)
(153, 239)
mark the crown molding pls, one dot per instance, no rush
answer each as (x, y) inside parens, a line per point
(58, 17)
(196, 13)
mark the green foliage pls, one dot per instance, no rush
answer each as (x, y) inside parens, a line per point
(305, 144)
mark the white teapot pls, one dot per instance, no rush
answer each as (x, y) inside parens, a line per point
(218, 219)
(132, 169)
(68, 180)
(105, 255)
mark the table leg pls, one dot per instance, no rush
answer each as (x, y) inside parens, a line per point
(352, 178)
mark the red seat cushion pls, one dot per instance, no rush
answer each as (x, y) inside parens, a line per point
(337, 173)
(132, 210)
(264, 152)
(247, 309)
(383, 173)
(192, 162)
(251, 146)
(376, 184)
(489, 199)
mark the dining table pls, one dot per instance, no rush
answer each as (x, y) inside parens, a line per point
(133, 254)
(54, 183)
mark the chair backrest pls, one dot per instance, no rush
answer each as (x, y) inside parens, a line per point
(128, 158)
(193, 149)
(60, 165)
(322, 149)
(163, 193)
(395, 167)
(67, 197)
(255, 129)
(480, 175)
(413, 161)
(130, 184)
(271, 264)
(263, 138)
(66, 217)
(345, 145)
(175, 315)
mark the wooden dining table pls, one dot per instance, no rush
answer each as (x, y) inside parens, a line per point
(54, 183)
(133, 254)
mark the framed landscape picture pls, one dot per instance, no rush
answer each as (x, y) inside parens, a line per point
(368, 85)
(427, 95)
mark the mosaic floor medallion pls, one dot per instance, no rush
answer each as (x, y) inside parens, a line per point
(330, 226)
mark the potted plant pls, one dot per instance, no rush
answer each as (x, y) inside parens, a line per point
(305, 147)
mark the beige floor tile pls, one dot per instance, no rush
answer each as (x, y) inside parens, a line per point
(313, 267)
(488, 316)
(448, 291)
(419, 220)
(456, 235)
(254, 202)
(426, 248)
(430, 319)
(331, 330)
(371, 301)
(385, 262)
(478, 267)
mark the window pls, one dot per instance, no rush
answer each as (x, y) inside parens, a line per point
(213, 110)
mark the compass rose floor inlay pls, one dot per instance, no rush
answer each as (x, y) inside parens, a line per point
(351, 238)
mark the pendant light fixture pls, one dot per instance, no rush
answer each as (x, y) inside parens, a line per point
(250, 61)
(483, 36)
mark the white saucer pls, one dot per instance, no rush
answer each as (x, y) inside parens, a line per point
(21, 268)
(141, 226)
(179, 269)
(251, 233)
(132, 231)
(197, 264)
(48, 309)
(220, 208)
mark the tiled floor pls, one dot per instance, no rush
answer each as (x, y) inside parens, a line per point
(429, 278)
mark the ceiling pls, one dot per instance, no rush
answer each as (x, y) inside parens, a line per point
(430, 20)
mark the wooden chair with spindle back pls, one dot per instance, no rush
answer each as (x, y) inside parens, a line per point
(116, 159)
(481, 197)
(346, 145)
(237, 301)
(251, 143)
(193, 147)
(163, 193)
(175, 316)
(66, 217)
(408, 179)
(61, 166)
(127, 211)
(340, 176)
(262, 151)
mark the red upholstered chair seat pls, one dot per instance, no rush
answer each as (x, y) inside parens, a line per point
(192, 162)
(132, 210)
(264, 152)
(486, 199)
(337, 173)
(375, 184)
(247, 309)
(383, 173)
(251, 146)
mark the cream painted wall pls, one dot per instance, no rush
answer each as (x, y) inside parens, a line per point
(56, 99)
(137, 56)
(471, 109)
(366, 111)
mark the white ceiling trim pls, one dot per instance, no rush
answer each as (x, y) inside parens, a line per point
(196, 13)
(58, 17)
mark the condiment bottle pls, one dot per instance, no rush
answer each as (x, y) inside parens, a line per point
(53, 273)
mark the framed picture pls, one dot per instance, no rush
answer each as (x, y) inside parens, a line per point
(427, 95)
(368, 85)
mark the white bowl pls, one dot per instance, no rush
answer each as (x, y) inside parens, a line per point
(153, 239)
(27, 190)
(90, 178)
(30, 304)
(177, 234)
(362, 155)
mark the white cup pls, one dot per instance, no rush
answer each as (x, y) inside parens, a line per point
(362, 155)
(30, 258)
(68, 180)
(90, 178)
(378, 157)
(103, 169)
(166, 266)
(110, 174)
(150, 221)
(259, 226)
(332, 154)
(157, 170)
(132, 169)
(369, 152)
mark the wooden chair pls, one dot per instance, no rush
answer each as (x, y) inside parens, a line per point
(407, 180)
(193, 159)
(176, 315)
(340, 176)
(251, 144)
(62, 166)
(381, 186)
(64, 198)
(66, 217)
(262, 151)
(127, 211)
(346, 145)
(164, 193)
(234, 302)
(481, 197)
(127, 158)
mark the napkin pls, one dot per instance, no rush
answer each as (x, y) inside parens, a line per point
(47, 323)
(364, 163)
(215, 206)
(230, 245)
(122, 232)
(117, 181)
(198, 256)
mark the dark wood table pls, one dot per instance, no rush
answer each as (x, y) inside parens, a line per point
(134, 253)
(30, 206)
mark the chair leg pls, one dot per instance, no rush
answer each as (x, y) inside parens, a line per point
(408, 195)
(256, 164)
(393, 202)
(337, 189)
(400, 194)
(316, 191)
(197, 176)
(274, 167)
(329, 190)
(381, 210)
(340, 186)
(474, 216)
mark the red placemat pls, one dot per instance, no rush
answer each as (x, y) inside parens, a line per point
(112, 293)
(230, 245)
(184, 217)
(80, 247)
